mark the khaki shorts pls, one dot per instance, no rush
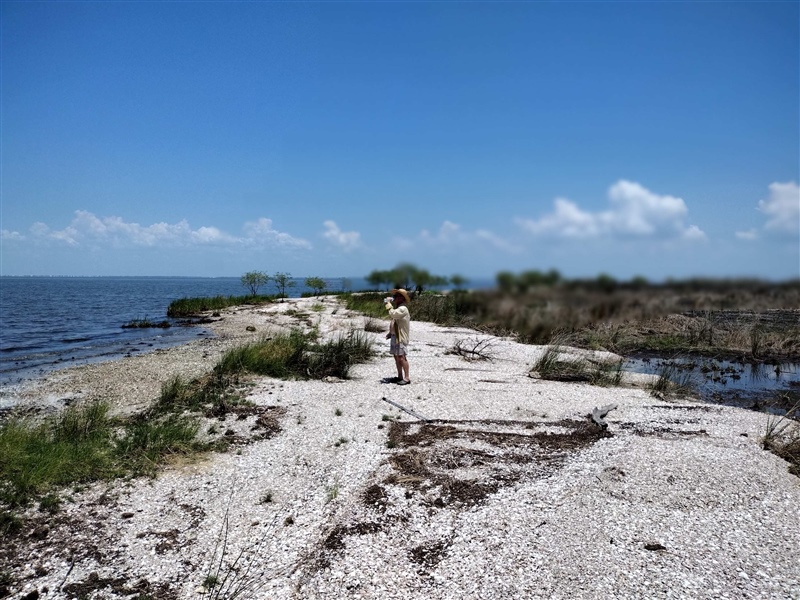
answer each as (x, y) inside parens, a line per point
(396, 348)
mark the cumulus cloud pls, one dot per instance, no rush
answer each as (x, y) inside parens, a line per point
(782, 208)
(451, 235)
(89, 229)
(11, 236)
(635, 212)
(347, 240)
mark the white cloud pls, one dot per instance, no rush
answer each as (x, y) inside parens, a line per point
(635, 212)
(11, 236)
(748, 236)
(87, 228)
(261, 233)
(347, 240)
(451, 235)
(782, 208)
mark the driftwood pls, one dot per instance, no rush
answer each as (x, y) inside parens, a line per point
(473, 349)
(404, 409)
(599, 413)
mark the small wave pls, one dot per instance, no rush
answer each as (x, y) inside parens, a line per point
(74, 340)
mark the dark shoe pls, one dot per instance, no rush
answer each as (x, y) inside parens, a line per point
(390, 379)
(404, 382)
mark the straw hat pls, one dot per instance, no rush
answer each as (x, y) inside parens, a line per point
(402, 292)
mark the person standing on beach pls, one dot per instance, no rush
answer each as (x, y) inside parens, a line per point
(399, 333)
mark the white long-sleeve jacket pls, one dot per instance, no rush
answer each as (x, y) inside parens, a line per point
(401, 322)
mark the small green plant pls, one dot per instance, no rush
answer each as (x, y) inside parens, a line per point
(266, 498)
(231, 577)
(50, 503)
(338, 412)
(10, 524)
(341, 441)
(333, 491)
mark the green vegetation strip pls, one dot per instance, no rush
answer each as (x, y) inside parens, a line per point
(84, 444)
(39, 459)
(187, 307)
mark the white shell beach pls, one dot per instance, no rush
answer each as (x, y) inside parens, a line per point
(508, 491)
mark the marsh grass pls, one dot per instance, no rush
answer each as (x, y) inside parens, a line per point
(188, 307)
(81, 445)
(552, 366)
(701, 316)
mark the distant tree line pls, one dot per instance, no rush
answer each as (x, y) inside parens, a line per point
(411, 277)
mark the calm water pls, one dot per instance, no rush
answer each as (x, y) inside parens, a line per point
(51, 322)
(769, 387)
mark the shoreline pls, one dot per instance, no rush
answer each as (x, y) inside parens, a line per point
(130, 382)
(507, 492)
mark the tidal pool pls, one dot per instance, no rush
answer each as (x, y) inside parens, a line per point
(771, 387)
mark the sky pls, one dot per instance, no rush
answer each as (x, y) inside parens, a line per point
(652, 139)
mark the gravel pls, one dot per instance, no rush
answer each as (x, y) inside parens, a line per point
(508, 492)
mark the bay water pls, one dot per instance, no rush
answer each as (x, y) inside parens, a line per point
(47, 323)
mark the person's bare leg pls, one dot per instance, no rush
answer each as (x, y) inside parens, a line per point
(404, 366)
(398, 362)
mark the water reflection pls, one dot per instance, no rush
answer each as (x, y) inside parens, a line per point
(761, 386)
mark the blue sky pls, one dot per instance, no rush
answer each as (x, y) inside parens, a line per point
(659, 139)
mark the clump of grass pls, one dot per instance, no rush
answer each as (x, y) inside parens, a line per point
(671, 381)
(297, 355)
(213, 395)
(81, 445)
(374, 325)
(782, 438)
(37, 458)
(553, 367)
(282, 356)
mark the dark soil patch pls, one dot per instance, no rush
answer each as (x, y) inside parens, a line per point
(335, 539)
(637, 429)
(120, 586)
(375, 496)
(268, 420)
(429, 555)
(463, 462)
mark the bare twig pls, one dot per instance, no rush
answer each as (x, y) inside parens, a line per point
(474, 349)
